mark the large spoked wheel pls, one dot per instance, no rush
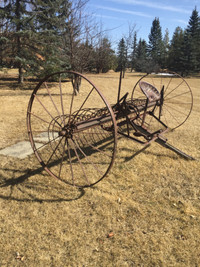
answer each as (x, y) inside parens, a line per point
(176, 99)
(73, 135)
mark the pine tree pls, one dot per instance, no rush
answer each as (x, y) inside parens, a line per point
(51, 22)
(122, 56)
(142, 62)
(33, 32)
(156, 42)
(176, 51)
(104, 55)
(192, 43)
(134, 51)
(166, 48)
(141, 52)
(16, 29)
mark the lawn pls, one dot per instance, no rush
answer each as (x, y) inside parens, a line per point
(145, 212)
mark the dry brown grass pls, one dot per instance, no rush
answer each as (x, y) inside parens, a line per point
(151, 203)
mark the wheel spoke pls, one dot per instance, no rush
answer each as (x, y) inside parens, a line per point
(70, 161)
(184, 93)
(165, 118)
(80, 163)
(62, 158)
(172, 115)
(71, 148)
(165, 96)
(61, 99)
(76, 114)
(177, 94)
(39, 131)
(175, 109)
(46, 143)
(30, 113)
(46, 110)
(167, 86)
(86, 157)
(71, 106)
(97, 149)
(49, 93)
(54, 151)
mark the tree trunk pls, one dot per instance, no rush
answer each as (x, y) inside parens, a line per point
(18, 28)
(20, 75)
(123, 73)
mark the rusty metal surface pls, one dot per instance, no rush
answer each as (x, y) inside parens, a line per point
(77, 139)
(81, 143)
(176, 98)
(150, 91)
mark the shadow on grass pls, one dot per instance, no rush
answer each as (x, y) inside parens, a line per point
(28, 84)
(25, 189)
(176, 153)
(45, 187)
(12, 83)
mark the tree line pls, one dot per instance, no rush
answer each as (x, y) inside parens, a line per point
(181, 54)
(39, 37)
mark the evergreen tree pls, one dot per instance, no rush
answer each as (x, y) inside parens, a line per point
(4, 34)
(51, 25)
(104, 56)
(166, 48)
(34, 31)
(16, 30)
(142, 48)
(122, 56)
(156, 43)
(176, 51)
(134, 51)
(192, 43)
(143, 62)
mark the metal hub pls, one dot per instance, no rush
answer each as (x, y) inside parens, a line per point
(66, 132)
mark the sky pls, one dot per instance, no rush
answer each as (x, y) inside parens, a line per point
(117, 15)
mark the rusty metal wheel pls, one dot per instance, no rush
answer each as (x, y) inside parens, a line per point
(73, 135)
(176, 95)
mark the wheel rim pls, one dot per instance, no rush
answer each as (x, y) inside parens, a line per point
(73, 136)
(177, 99)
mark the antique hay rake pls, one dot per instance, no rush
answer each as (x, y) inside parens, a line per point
(74, 137)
